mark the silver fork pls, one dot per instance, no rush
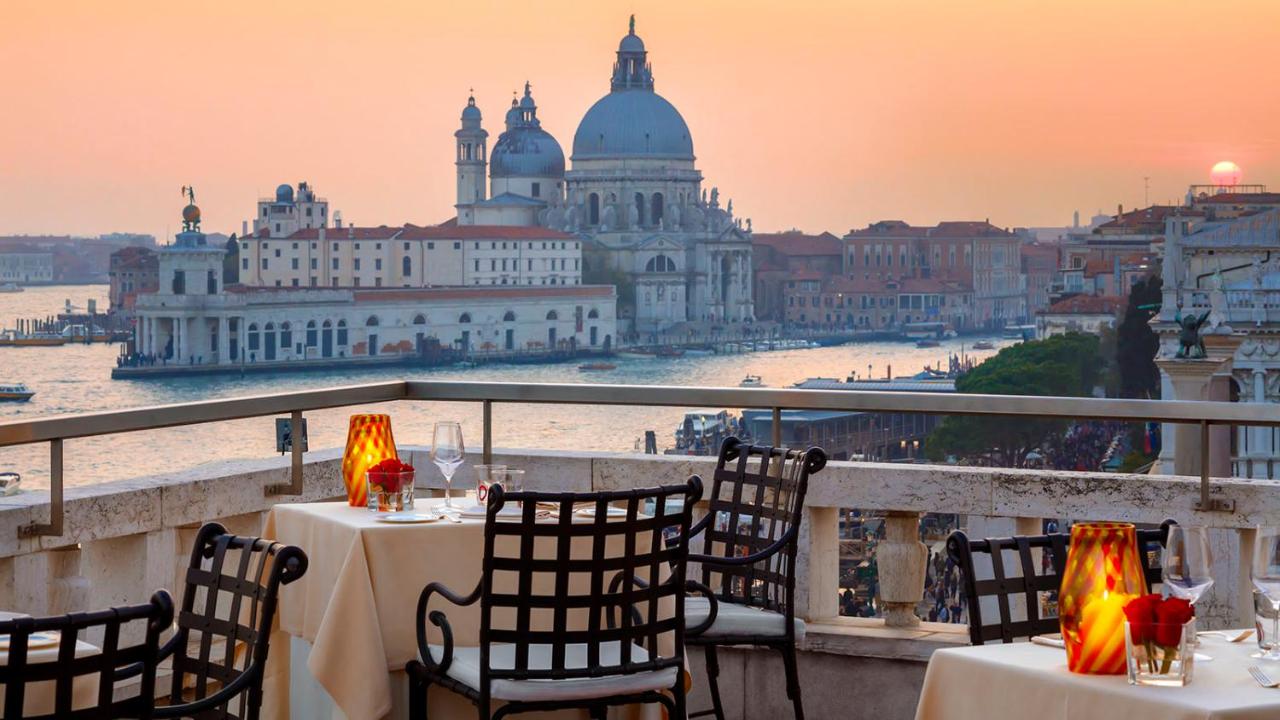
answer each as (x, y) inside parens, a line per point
(1263, 679)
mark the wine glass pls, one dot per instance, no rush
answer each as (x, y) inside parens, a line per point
(447, 451)
(1265, 573)
(1184, 566)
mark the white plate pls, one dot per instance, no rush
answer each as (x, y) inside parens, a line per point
(480, 513)
(406, 518)
(35, 640)
(610, 512)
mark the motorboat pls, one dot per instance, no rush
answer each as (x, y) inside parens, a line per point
(14, 338)
(10, 288)
(927, 343)
(15, 392)
(666, 351)
(751, 381)
(594, 366)
(984, 345)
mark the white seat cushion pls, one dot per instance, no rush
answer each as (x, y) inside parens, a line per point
(732, 619)
(466, 670)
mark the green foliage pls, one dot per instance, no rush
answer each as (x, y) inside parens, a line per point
(1137, 345)
(231, 262)
(1064, 365)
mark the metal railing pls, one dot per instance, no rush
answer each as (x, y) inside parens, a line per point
(56, 430)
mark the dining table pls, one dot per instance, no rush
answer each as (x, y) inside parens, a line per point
(353, 615)
(1023, 679)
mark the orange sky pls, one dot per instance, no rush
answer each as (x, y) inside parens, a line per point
(818, 114)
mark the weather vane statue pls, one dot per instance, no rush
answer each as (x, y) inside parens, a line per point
(189, 192)
(1190, 344)
(632, 26)
(190, 213)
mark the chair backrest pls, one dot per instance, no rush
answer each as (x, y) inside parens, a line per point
(757, 495)
(228, 607)
(575, 587)
(1041, 559)
(25, 667)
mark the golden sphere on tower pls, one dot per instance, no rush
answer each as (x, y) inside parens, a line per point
(191, 214)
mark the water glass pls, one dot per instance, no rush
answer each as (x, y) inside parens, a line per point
(1185, 563)
(447, 452)
(1264, 615)
(1264, 571)
(485, 477)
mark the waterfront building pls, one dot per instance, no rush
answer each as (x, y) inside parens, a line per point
(289, 211)
(1079, 313)
(634, 195)
(412, 257)
(193, 320)
(781, 259)
(1040, 268)
(134, 271)
(976, 257)
(25, 265)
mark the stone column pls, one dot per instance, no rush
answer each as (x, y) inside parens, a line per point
(224, 340)
(1259, 437)
(900, 564)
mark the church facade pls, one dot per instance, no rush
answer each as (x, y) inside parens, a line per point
(633, 194)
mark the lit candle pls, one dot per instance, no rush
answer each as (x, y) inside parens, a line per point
(1099, 649)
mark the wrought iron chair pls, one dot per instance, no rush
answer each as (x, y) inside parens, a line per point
(20, 672)
(229, 604)
(1031, 581)
(750, 536)
(600, 645)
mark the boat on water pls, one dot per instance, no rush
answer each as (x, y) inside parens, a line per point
(635, 355)
(594, 366)
(927, 343)
(699, 352)
(667, 351)
(924, 330)
(1020, 332)
(13, 338)
(15, 392)
(9, 482)
(984, 345)
(10, 288)
(702, 431)
(751, 381)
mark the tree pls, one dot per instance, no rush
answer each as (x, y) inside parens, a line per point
(1137, 345)
(1063, 365)
(231, 262)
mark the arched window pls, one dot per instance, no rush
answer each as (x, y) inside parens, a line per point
(286, 335)
(553, 315)
(254, 338)
(372, 321)
(593, 314)
(660, 263)
(655, 208)
(593, 209)
(640, 213)
(406, 266)
(509, 317)
(464, 318)
(311, 333)
(342, 331)
(419, 319)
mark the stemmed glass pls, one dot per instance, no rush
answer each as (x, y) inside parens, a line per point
(1186, 562)
(1265, 573)
(447, 451)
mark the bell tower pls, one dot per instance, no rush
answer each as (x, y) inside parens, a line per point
(471, 159)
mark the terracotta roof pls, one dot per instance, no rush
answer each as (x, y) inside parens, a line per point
(382, 232)
(1150, 219)
(482, 232)
(945, 229)
(794, 242)
(481, 292)
(1086, 305)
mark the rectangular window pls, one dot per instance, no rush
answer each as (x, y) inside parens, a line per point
(355, 282)
(314, 281)
(458, 245)
(493, 265)
(278, 283)
(377, 246)
(431, 246)
(537, 190)
(406, 246)
(356, 264)
(244, 264)
(334, 282)
(377, 282)
(377, 264)
(264, 263)
(477, 266)
(335, 247)
(530, 264)
(335, 263)
(277, 253)
(357, 246)
(245, 246)
(295, 282)
(294, 263)
(315, 263)
(295, 246)
(308, 212)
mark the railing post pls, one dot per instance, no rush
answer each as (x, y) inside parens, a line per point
(54, 526)
(818, 564)
(488, 432)
(294, 486)
(777, 427)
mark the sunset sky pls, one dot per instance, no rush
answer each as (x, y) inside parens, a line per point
(814, 114)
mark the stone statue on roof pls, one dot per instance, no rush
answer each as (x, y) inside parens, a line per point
(1190, 343)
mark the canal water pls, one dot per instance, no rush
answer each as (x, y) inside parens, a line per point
(77, 378)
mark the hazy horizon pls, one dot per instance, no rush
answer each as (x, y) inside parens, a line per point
(817, 115)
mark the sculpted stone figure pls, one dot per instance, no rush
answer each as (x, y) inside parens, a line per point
(715, 197)
(1190, 344)
(633, 217)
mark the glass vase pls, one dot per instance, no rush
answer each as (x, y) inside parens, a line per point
(390, 491)
(1160, 654)
(369, 442)
(1103, 573)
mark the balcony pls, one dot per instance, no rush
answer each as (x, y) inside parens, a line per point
(94, 546)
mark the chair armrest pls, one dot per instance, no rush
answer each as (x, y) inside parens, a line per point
(694, 530)
(438, 619)
(614, 584)
(713, 607)
(223, 696)
(162, 654)
(751, 559)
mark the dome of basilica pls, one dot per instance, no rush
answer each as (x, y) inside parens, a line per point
(525, 149)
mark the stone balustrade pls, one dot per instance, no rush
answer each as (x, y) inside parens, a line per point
(125, 538)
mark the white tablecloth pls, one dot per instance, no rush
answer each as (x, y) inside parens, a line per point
(1021, 680)
(356, 604)
(39, 698)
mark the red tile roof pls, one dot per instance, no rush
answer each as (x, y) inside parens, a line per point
(382, 232)
(482, 232)
(480, 292)
(794, 242)
(1086, 305)
(945, 229)
(1268, 198)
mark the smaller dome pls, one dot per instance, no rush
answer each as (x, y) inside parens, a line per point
(631, 43)
(471, 112)
(284, 193)
(191, 214)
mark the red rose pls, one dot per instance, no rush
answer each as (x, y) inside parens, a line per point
(1171, 615)
(1141, 614)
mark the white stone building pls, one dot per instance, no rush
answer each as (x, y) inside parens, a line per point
(290, 211)
(25, 265)
(193, 320)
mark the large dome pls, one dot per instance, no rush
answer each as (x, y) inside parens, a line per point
(632, 123)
